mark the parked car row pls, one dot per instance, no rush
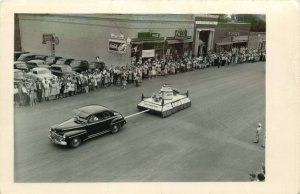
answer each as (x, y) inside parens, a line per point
(59, 66)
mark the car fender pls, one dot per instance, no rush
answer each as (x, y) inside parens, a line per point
(75, 133)
(118, 119)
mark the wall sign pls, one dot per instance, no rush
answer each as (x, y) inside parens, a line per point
(233, 33)
(148, 53)
(117, 36)
(117, 46)
(148, 35)
(181, 34)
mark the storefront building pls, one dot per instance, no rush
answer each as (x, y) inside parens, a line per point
(119, 39)
(115, 38)
(204, 33)
(257, 40)
(229, 35)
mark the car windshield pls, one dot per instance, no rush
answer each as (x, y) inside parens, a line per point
(81, 116)
(49, 59)
(75, 63)
(67, 68)
(60, 61)
(21, 65)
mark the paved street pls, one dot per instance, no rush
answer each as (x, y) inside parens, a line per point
(210, 141)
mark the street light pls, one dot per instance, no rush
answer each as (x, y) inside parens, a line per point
(128, 44)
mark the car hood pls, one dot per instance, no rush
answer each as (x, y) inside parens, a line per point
(68, 124)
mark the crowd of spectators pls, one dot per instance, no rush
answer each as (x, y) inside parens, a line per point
(29, 92)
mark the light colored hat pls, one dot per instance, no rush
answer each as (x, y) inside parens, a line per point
(259, 124)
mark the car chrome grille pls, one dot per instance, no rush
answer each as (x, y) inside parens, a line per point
(56, 136)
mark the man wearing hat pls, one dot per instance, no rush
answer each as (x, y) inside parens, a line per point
(257, 133)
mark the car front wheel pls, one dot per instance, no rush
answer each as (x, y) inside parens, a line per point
(115, 128)
(75, 142)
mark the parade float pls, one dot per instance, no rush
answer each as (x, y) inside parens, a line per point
(165, 102)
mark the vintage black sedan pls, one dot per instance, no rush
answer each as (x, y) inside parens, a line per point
(88, 122)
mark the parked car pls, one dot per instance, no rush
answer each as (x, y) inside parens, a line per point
(97, 65)
(19, 76)
(41, 57)
(18, 53)
(79, 65)
(60, 70)
(51, 60)
(64, 61)
(40, 73)
(26, 57)
(36, 63)
(88, 122)
(21, 66)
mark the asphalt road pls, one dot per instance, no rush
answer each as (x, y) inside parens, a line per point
(210, 141)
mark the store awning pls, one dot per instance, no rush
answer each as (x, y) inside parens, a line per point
(224, 43)
(228, 43)
(179, 41)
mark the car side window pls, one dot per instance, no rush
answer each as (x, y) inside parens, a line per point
(93, 119)
(106, 115)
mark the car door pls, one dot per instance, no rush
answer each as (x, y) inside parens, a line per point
(106, 119)
(94, 125)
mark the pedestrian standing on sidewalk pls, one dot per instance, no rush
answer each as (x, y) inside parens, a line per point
(258, 133)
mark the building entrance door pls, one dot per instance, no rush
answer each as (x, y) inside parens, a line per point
(204, 41)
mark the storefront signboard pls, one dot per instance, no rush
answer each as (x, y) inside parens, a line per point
(148, 53)
(148, 35)
(117, 46)
(207, 22)
(181, 34)
(240, 38)
(233, 33)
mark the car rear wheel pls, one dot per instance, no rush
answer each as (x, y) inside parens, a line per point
(115, 128)
(75, 142)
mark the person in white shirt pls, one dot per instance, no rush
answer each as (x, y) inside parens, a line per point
(258, 133)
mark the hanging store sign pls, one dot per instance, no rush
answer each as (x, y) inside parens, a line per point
(240, 38)
(148, 53)
(181, 34)
(47, 37)
(207, 22)
(117, 46)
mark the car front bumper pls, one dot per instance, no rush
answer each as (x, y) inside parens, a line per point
(64, 143)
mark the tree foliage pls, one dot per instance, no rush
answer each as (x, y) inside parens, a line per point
(258, 22)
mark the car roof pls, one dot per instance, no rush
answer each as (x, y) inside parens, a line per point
(28, 54)
(36, 60)
(19, 62)
(60, 65)
(94, 108)
(17, 70)
(40, 68)
(66, 58)
(79, 60)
